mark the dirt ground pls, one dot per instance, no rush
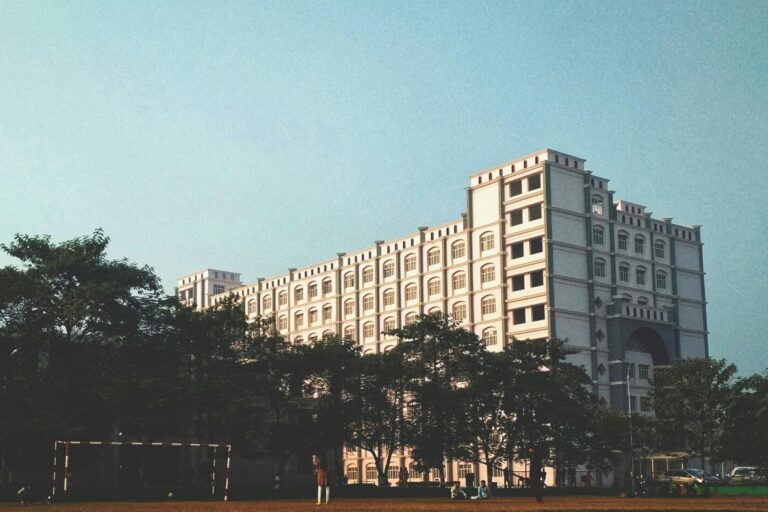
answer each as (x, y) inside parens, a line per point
(521, 504)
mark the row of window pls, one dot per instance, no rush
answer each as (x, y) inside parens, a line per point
(516, 187)
(598, 238)
(519, 315)
(516, 216)
(535, 246)
(534, 278)
(624, 271)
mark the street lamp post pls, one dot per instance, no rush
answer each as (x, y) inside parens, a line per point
(6, 371)
(631, 441)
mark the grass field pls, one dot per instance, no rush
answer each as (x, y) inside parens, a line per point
(518, 504)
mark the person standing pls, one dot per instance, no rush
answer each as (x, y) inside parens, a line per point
(321, 470)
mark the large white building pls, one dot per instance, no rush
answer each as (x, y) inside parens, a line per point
(543, 250)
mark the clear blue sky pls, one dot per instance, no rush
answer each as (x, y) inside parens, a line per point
(258, 136)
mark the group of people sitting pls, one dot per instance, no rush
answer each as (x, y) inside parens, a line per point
(483, 492)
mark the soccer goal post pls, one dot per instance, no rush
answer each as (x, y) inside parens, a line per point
(61, 477)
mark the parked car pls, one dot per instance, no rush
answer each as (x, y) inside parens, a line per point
(689, 477)
(747, 475)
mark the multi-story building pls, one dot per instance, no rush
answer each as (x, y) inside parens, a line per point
(543, 250)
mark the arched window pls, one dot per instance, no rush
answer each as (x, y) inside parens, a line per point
(640, 275)
(388, 348)
(312, 339)
(298, 294)
(371, 475)
(661, 280)
(486, 241)
(389, 298)
(349, 332)
(349, 307)
(368, 302)
(433, 287)
(282, 323)
(252, 306)
(298, 341)
(433, 256)
(352, 473)
(623, 272)
(267, 302)
(488, 305)
(389, 324)
(327, 313)
(459, 281)
(410, 263)
(598, 235)
(312, 290)
(298, 320)
(459, 312)
(659, 248)
(643, 301)
(327, 286)
(313, 316)
(434, 310)
(597, 205)
(623, 236)
(458, 249)
(410, 318)
(282, 298)
(599, 264)
(368, 330)
(368, 274)
(489, 336)
(410, 293)
(327, 333)
(639, 244)
(349, 280)
(388, 269)
(487, 273)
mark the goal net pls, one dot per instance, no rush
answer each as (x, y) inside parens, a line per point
(140, 470)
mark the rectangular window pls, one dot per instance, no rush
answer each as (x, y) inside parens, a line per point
(534, 212)
(534, 182)
(459, 281)
(640, 276)
(518, 316)
(327, 287)
(516, 217)
(645, 404)
(537, 278)
(642, 371)
(639, 245)
(326, 314)
(633, 403)
(597, 206)
(659, 249)
(487, 274)
(661, 281)
(631, 370)
(218, 288)
(313, 290)
(597, 236)
(517, 250)
(457, 250)
(623, 241)
(599, 268)
(313, 317)
(624, 274)
(537, 312)
(516, 188)
(537, 245)
(518, 282)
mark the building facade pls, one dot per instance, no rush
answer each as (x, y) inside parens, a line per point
(543, 250)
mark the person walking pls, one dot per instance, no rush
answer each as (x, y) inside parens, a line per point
(321, 470)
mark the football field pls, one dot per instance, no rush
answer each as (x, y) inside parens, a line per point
(521, 504)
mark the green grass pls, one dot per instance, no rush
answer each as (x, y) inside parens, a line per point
(743, 490)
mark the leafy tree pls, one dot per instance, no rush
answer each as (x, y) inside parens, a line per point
(747, 421)
(485, 440)
(691, 399)
(545, 401)
(439, 358)
(377, 424)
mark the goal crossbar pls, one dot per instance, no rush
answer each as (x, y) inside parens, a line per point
(212, 446)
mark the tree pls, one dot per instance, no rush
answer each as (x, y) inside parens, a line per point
(377, 424)
(691, 399)
(439, 358)
(485, 441)
(546, 403)
(66, 310)
(747, 421)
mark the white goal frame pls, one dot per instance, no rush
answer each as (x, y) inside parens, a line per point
(211, 446)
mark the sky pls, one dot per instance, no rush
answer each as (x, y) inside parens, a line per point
(258, 136)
